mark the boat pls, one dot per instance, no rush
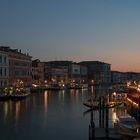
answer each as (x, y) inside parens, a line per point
(127, 125)
(91, 103)
(20, 93)
(5, 93)
(74, 86)
(55, 86)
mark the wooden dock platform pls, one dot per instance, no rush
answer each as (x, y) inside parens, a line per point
(111, 133)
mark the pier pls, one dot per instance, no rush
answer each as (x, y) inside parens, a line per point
(100, 133)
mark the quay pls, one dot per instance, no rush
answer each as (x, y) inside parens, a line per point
(110, 133)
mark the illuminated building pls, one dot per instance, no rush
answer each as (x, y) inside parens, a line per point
(56, 71)
(4, 69)
(19, 66)
(37, 72)
(65, 71)
(98, 72)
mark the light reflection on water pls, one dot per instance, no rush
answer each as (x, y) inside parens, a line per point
(17, 112)
(51, 115)
(45, 101)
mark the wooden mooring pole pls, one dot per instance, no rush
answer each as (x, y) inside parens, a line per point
(91, 127)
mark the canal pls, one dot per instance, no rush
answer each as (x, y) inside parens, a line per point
(49, 115)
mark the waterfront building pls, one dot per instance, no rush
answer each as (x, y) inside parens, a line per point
(74, 73)
(118, 80)
(56, 71)
(84, 74)
(133, 76)
(124, 77)
(4, 69)
(117, 77)
(77, 73)
(19, 66)
(98, 72)
(64, 72)
(37, 72)
(74, 76)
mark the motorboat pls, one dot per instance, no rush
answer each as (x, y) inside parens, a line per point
(128, 125)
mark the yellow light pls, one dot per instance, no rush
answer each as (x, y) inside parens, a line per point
(114, 116)
(34, 85)
(132, 102)
(114, 93)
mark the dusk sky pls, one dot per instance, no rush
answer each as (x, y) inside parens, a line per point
(76, 30)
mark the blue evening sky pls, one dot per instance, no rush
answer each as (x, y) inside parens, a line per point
(77, 30)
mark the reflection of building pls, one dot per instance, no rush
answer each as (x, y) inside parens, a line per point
(19, 66)
(98, 72)
(37, 72)
(4, 69)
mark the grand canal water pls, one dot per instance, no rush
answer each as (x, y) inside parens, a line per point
(49, 115)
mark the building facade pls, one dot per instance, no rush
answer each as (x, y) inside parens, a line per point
(19, 67)
(37, 72)
(56, 72)
(98, 72)
(65, 72)
(4, 69)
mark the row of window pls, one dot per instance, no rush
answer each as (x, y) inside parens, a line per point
(22, 73)
(22, 64)
(3, 59)
(3, 72)
(3, 83)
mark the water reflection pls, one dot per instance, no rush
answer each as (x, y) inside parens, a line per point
(61, 96)
(49, 115)
(17, 112)
(72, 92)
(46, 101)
(45, 108)
(34, 102)
(5, 110)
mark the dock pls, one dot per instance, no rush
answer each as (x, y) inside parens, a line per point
(110, 134)
(103, 133)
